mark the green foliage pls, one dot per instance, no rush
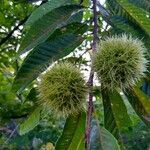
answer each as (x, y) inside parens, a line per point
(45, 27)
(45, 9)
(43, 55)
(73, 133)
(48, 130)
(138, 138)
(140, 103)
(144, 4)
(31, 122)
(52, 30)
(124, 23)
(132, 13)
(100, 137)
(108, 138)
(11, 18)
(123, 20)
(116, 118)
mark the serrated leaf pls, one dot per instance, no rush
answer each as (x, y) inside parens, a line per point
(60, 44)
(132, 13)
(31, 122)
(125, 26)
(72, 137)
(46, 8)
(45, 26)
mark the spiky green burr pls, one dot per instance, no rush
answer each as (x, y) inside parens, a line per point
(63, 89)
(120, 62)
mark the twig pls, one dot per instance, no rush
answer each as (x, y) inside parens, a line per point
(5, 39)
(11, 135)
(88, 49)
(12, 31)
(90, 81)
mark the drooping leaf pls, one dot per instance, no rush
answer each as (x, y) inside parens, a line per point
(46, 8)
(61, 43)
(31, 122)
(109, 141)
(122, 25)
(119, 110)
(115, 113)
(45, 26)
(72, 137)
(140, 102)
(132, 13)
(101, 139)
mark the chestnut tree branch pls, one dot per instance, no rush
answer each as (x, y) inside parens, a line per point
(90, 81)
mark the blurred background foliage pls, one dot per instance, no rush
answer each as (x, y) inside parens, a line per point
(15, 108)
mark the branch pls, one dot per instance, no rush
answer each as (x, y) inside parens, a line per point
(90, 81)
(11, 32)
(11, 135)
(17, 27)
(103, 10)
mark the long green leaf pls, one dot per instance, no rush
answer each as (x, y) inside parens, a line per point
(140, 102)
(131, 12)
(45, 26)
(109, 141)
(119, 110)
(122, 25)
(31, 122)
(102, 139)
(109, 119)
(72, 137)
(60, 44)
(115, 113)
(46, 8)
